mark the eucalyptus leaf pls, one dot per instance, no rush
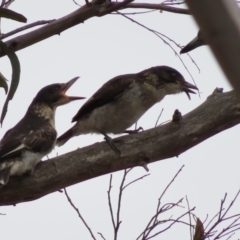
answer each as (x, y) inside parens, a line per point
(15, 77)
(7, 13)
(3, 83)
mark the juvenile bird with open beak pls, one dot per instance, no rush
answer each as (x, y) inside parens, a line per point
(34, 136)
(121, 101)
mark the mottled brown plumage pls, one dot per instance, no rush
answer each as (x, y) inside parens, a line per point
(34, 136)
(121, 101)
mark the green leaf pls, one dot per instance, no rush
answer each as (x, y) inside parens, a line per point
(7, 13)
(15, 77)
(3, 83)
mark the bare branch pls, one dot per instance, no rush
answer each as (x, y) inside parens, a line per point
(164, 191)
(119, 203)
(190, 222)
(160, 114)
(154, 220)
(169, 140)
(160, 35)
(221, 206)
(134, 13)
(221, 217)
(109, 201)
(25, 28)
(161, 7)
(79, 16)
(232, 202)
(165, 229)
(79, 214)
(116, 224)
(135, 180)
(102, 236)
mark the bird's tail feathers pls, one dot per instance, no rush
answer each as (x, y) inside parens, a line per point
(4, 176)
(64, 138)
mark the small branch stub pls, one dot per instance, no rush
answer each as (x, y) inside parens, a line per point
(177, 116)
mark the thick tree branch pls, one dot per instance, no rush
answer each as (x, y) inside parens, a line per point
(219, 112)
(75, 18)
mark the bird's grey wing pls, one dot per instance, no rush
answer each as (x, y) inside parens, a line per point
(10, 144)
(109, 92)
(36, 141)
(41, 140)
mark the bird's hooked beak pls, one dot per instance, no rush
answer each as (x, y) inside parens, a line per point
(196, 42)
(66, 86)
(187, 88)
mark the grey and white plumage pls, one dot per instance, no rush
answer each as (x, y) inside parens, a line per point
(198, 41)
(34, 136)
(121, 101)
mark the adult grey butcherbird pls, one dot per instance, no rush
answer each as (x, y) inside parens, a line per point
(121, 101)
(34, 136)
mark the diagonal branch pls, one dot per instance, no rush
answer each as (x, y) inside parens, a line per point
(219, 112)
(79, 16)
(25, 27)
(161, 7)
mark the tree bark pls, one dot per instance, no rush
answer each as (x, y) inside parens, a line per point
(219, 112)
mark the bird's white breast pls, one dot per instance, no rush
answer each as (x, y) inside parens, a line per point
(26, 164)
(117, 116)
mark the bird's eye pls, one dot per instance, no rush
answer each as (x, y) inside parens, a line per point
(56, 88)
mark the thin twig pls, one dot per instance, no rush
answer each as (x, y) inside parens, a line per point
(221, 218)
(3, 3)
(230, 205)
(171, 182)
(230, 236)
(79, 214)
(154, 235)
(171, 3)
(160, 114)
(135, 13)
(160, 7)
(77, 3)
(109, 201)
(153, 221)
(190, 222)
(25, 28)
(221, 206)
(101, 236)
(160, 35)
(118, 222)
(136, 180)
(233, 231)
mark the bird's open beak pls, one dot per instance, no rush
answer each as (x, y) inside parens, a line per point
(66, 86)
(196, 42)
(187, 88)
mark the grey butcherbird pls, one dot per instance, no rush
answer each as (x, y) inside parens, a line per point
(195, 43)
(121, 101)
(34, 136)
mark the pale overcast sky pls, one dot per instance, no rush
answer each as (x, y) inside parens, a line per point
(98, 50)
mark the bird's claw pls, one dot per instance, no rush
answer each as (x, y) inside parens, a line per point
(133, 131)
(111, 144)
